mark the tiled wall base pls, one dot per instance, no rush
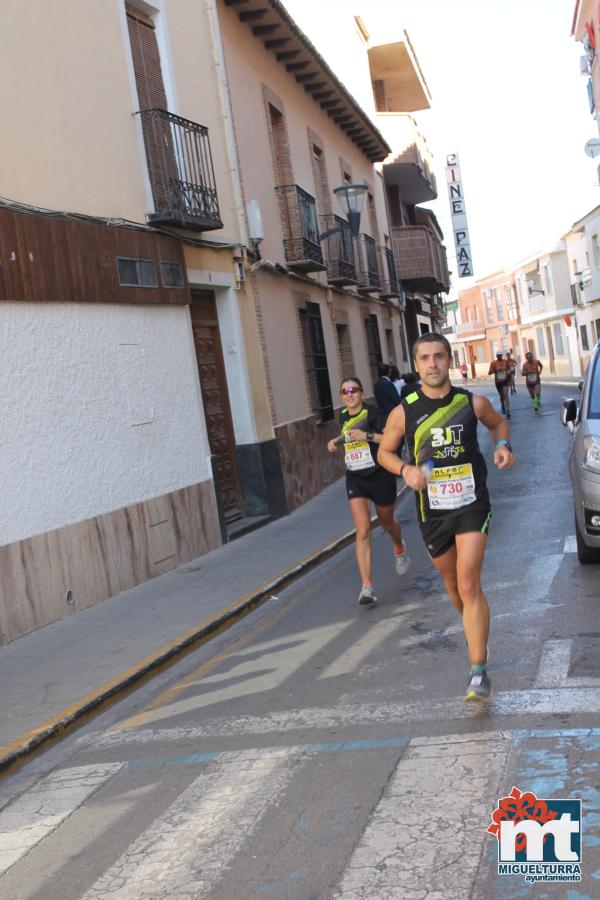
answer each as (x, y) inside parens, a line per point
(308, 467)
(51, 575)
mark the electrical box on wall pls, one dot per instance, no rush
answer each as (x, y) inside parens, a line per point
(256, 231)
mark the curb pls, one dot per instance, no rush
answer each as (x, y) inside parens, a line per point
(17, 751)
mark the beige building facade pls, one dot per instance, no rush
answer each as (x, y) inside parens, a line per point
(178, 283)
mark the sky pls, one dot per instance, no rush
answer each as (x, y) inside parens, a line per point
(507, 96)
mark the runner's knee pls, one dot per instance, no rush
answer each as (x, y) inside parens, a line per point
(363, 532)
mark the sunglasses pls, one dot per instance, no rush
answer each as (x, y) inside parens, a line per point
(351, 390)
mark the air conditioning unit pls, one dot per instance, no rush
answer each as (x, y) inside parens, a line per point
(584, 65)
(504, 329)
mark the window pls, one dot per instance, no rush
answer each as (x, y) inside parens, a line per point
(511, 301)
(171, 275)
(487, 297)
(584, 337)
(559, 349)
(596, 250)
(480, 353)
(389, 346)
(598, 329)
(373, 345)
(499, 307)
(541, 344)
(547, 280)
(136, 272)
(345, 350)
(315, 361)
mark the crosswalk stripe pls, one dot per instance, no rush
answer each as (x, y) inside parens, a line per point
(38, 812)
(186, 850)
(554, 663)
(508, 703)
(426, 819)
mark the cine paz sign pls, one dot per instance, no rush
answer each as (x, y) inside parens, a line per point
(458, 213)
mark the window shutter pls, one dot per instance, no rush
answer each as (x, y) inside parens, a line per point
(146, 62)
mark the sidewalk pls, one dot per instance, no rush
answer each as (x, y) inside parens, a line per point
(53, 676)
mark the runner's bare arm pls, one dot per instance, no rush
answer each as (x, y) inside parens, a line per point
(387, 456)
(498, 428)
(393, 434)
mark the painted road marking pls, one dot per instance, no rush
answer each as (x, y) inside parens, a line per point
(185, 851)
(576, 700)
(554, 668)
(570, 544)
(554, 664)
(352, 658)
(38, 812)
(262, 667)
(414, 843)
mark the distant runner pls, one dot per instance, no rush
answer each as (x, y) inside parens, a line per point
(499, 369)
(532, 369)
(448, 473)
(512, 368)
(366, 481)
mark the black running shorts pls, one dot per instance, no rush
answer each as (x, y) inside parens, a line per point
(500, 385)
(380, 487)
(440, 533)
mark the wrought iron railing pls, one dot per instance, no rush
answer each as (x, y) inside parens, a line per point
(339, 251)
(369, 280)
(301, 241)
(181, 171)
(390, 285)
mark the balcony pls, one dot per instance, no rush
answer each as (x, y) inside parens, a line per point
(369, 281)
(475, 327)
(181, 172)
(339, 252)
(410, 165)
(301, 229)
(420, 259)
(437, 313)
(390, 286)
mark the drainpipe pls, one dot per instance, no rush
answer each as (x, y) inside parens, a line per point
(218, 56)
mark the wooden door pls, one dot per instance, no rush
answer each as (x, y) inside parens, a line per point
(215, 397)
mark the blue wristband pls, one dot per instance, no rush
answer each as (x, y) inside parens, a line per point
(500, 443)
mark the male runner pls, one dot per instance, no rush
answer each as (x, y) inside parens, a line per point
(499, 369)
(453, 505)
(512, 368)
(532, 369)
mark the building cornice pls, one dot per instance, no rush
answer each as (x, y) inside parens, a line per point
(271, 23)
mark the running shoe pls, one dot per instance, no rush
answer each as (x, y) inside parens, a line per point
(402, 561)
(479, 689)
(508, 415)
(367, 595)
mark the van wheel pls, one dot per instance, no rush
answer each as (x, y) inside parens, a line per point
(585, 554)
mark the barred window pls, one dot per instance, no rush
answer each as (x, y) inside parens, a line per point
(137, 272)
(315, 361)
(373, 344)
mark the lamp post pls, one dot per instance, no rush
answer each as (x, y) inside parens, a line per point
(354, 196)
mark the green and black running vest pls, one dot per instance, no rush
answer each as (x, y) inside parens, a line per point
(369, 418)
(444, 432)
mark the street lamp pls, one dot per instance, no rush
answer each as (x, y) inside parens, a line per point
(354, 196)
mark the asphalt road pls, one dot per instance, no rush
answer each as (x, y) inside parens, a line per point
(322, 750)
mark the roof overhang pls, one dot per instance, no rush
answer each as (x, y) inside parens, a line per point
(271, 23)
(405, 87)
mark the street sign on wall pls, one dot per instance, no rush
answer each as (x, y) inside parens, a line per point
(458, 213)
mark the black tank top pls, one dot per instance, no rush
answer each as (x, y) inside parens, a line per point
(444, 432)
